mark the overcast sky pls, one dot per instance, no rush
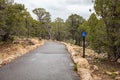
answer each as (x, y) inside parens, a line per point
(60, 8)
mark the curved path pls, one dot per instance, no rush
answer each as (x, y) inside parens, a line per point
(48, 62)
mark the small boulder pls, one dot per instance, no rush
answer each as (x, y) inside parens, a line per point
(74, 53)
(85, 74)
(94, 67)
(117, 78)
(83, 63)
(117, 72)
(118, 60)
(96, 77)
(1, 61)
(16, 42)
(29, 42)
(108, 73)
(76, 58)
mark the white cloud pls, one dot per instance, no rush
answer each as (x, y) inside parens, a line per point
(60, 8)
(79, 2)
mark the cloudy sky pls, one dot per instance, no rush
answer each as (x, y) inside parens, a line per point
(60, 8)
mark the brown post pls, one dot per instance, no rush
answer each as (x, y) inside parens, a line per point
(83, 47)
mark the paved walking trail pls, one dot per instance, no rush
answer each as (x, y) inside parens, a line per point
(48, 62)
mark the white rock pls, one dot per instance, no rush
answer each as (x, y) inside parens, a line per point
(74, 53)
(117, 72)
(85, 74)
(117, 78)
(108, 73)
(94, 67)
(96, 77)
(1, 61)
(83, 63)
(118, 60)
(18, 55)
(76, 58)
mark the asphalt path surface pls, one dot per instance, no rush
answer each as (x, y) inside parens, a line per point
(48, 62)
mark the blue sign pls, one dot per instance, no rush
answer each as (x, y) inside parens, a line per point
(84, 34)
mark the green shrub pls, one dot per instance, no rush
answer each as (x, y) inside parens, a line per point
(75, 67)
(113, 75)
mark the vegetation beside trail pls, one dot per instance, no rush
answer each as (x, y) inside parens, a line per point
(97, 65)
(102, 27)
(11, 51)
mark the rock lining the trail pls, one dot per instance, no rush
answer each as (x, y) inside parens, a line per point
(85, 74)
(83, 63)
(84, 69)
(20, 47)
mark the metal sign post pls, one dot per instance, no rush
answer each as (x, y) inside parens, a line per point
(84, 35)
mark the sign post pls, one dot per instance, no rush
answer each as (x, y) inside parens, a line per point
(84, 34)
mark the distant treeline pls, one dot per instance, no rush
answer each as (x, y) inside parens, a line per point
(103, 33)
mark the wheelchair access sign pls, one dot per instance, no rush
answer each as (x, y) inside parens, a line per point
(84, 34)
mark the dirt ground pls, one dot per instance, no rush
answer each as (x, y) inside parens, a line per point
(107, 70)
(5, 50)
(12, 50)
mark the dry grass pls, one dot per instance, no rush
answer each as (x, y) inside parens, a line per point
(11, 51)
(103, 64)
(106, 70)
